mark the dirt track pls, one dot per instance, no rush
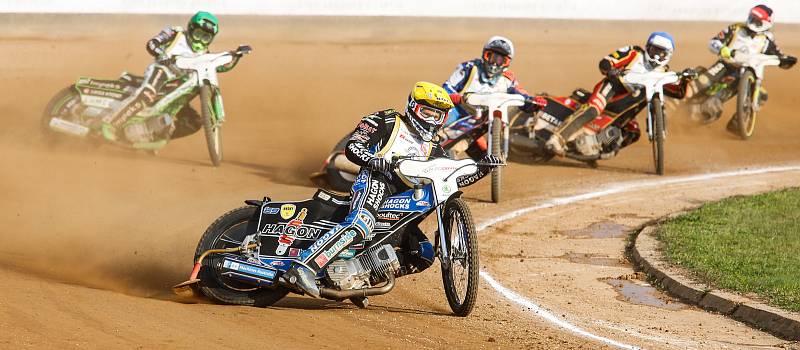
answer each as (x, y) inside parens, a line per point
(93, 238)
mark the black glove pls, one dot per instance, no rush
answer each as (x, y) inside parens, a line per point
(689, 73)
(534, 103)
(787, 61)
(380, 165)
(614, 73)
(491, 161)
(166, 61)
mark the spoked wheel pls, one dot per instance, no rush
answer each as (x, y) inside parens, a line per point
(658, 134)
(228, 232)
(213, 131)
(745, 101)
(497, 149)
(460, 274)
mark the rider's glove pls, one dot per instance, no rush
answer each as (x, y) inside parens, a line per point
(726, 52)
(456, 98)
(380, 165)
(689, 73)
(787, 62)
(614, 73)
(490, 161)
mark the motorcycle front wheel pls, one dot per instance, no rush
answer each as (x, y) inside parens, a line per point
(460, 273)
(745, 113)
(228, 231)
(213, 131)
(658, 134)
(497, 150)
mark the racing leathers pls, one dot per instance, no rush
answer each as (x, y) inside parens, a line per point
(620, 101)
(470, 77)
(377, 138)
(170, 43)
(735, 38)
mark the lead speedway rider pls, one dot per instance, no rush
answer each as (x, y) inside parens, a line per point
(377, 138)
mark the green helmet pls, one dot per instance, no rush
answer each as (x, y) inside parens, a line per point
(201, 30)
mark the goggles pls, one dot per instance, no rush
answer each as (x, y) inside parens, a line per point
(657, 52)
(201, 35)
(495, 58)
(430, 115)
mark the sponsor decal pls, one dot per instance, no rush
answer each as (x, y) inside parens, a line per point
(96, 92)
(550, 119)
(423, 203)
(270, 210)
(366, 127)
(322, 240)
(324, 196)
(359, 136)
(294, 252)
(288, 236)
(347, 254)
(381, 224)
(397, 203)
(278, 263)
(344, 241)
(287, 211)
(303, 232)
(367, 219)
(321, 260)
(446, 188)
(377, 189)
(389, 216)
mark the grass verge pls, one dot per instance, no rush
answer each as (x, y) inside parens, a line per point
(743, 244)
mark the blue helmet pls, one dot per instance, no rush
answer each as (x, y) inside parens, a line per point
(659, 49)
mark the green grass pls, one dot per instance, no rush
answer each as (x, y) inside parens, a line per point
(742, 244)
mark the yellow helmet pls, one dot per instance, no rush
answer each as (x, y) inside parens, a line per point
(427, 108)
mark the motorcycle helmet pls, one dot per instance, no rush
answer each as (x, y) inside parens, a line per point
(497, 55)
(427, 109)
(659, 49)
(201, 30)
(760, 19)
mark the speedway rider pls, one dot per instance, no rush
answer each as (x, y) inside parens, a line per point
(488, 74)
(753, 36)
(170, 43)
(612, 92)
(376, 140)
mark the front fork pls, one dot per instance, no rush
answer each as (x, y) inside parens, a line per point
(217, 107)
(492, 120)
(650, 116)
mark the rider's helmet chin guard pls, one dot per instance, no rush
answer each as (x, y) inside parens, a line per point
(427, 109)
(659, 49)
(760, 19)
(497, 55)
(201, 30)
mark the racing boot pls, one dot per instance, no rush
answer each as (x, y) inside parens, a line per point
(556, 144)
(302, 279)
(733, 125)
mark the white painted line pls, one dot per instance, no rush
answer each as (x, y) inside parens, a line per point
(612, 189)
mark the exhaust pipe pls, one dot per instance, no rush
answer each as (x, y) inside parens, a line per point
(186, 289)
(525, 143)
(330, 293)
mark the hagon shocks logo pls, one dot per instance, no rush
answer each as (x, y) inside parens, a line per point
(376, 190)
(397, 203)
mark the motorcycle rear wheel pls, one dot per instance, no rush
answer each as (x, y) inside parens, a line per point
(745, 113)
(52, 110)
(460, 275)
(339, 180)
(224, 233)
(213, 132)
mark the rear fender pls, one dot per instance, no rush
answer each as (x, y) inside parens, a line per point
(101, 93)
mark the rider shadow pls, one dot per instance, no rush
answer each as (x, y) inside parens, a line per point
(278, 175)
(300, 303)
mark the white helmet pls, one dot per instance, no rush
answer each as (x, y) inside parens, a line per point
(497, 55)
(659, 49)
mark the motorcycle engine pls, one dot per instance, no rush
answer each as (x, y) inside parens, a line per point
(608, 140)
(365, 270)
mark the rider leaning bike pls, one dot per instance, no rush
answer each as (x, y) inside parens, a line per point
(170, 43)
(613, 94)
(377, 138)
(753, 36)
(488, 74)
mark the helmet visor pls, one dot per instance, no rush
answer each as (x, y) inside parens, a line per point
(496, 58)
(201, 35)
(657, 53)
(430, 115)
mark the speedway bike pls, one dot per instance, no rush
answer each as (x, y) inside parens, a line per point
(243, 255)
(78, 109)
